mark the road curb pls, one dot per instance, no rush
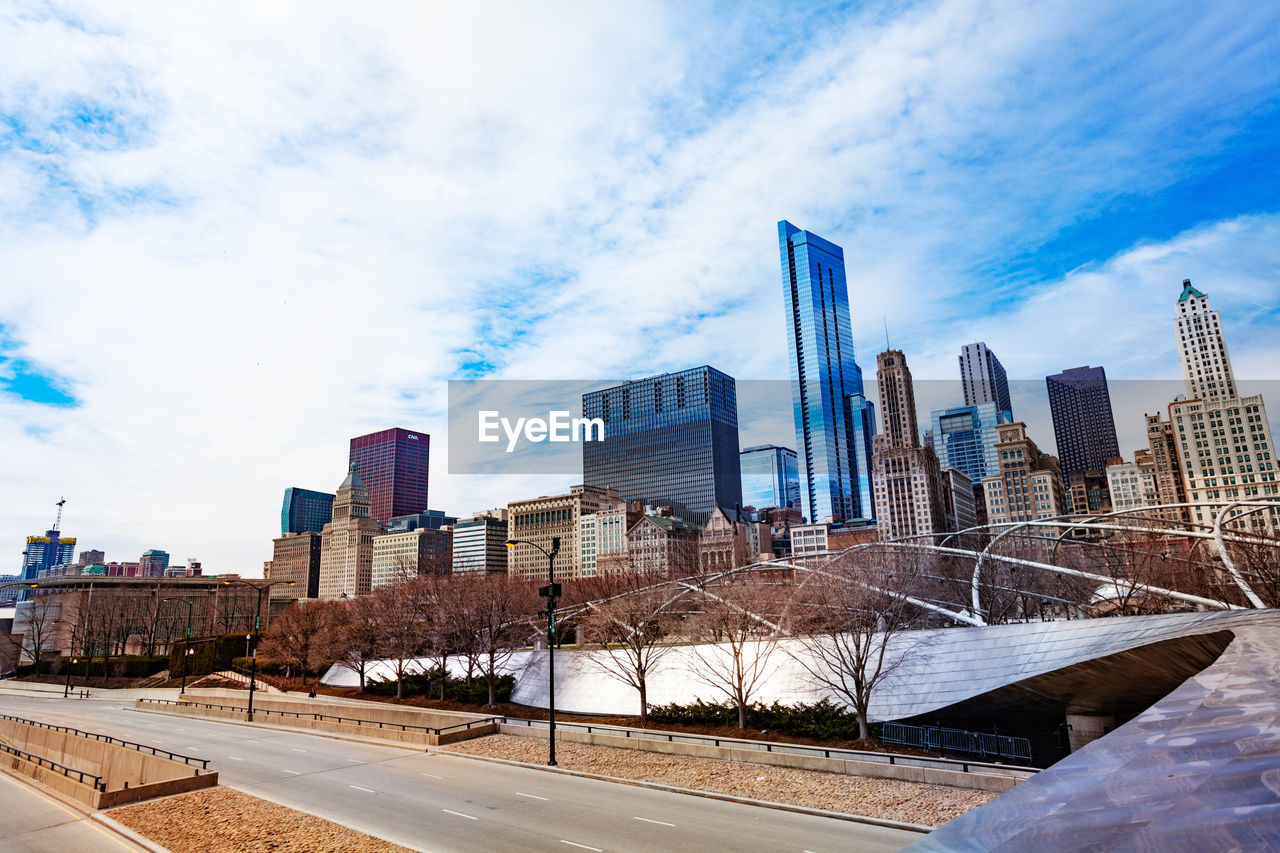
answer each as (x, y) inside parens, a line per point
(711, 795)
(120, 829)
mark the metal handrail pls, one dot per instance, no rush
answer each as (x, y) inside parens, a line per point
(957, 740)
(792, 748)
(404, 727)
(128, 744)
(97, 783)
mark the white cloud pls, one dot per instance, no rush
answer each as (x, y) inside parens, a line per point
(316, 209)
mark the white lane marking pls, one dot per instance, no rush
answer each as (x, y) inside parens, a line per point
(460, 814)
(233, 758)
(433, 776)
(649, 820)
(295, 749)
(534, 796)
(354, 760)
(358, 788)
(194, 748)
(294, 772)
(583, 846)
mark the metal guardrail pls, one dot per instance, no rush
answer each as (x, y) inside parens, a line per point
(81, 775)
(128, 744)
(786, 748)
(403, 727)
(957, 740)
(652, 734)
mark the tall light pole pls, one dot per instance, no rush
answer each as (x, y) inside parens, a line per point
(186, 644)
(71, 659)
(257, 624)
(551, 592)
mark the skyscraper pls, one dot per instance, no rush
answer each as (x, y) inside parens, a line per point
(964, 437)
(912, 494)
(296, 557)
(1206, 367)
(305, 511)
(44, 552)
(479, 544)
(769, 477)
(670, 440)
(346, 543)
(393, 464)
(1227, 448)
(984, 379)
(1082, 424)
(825, 378)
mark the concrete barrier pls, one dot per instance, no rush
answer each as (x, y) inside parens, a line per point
(397, 724)
(128, 774)
(850, 767)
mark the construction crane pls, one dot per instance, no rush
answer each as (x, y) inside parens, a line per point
(57, 524)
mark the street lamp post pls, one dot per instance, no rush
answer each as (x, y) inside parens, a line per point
(257, 624)
(71, 659)
(551, 592)
(186, 645)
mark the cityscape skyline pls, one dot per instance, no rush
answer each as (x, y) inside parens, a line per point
(104, 230)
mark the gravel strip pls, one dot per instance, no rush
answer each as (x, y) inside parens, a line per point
(930, 805)
(220, 820)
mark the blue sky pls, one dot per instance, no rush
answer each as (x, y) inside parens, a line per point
(230, 238)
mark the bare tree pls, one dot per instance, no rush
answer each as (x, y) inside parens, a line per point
(395, 610)
(630, 624)
(736, 619)
(40, 630)
(848, 616)
(352, 640)
(296, 634)
(493, 615)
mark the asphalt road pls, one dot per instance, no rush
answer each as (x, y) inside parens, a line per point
(440, 802)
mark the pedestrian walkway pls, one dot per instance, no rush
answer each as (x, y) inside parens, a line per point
(33, 821)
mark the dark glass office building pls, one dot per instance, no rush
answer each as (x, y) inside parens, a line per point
(393, 465)
(826, 382)
(1082, 423)
(670, 440)
(769, 477)
(305, 511)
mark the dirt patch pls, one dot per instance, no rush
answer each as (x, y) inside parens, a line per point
(220, 820)
(931, 805)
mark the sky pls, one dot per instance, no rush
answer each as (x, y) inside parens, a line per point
(232, 236)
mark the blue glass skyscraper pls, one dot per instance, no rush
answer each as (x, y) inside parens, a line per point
(305, 511)
(964, 437)
(670, 440)
(835, 476)
(769, 477)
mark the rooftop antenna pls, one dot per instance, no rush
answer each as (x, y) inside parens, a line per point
(57, 524)
(885, 320)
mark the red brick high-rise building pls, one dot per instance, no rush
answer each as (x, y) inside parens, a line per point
(393, 466)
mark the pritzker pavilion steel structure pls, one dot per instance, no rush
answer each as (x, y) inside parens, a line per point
(1174, 717)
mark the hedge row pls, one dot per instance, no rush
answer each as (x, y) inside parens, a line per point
(820, 721)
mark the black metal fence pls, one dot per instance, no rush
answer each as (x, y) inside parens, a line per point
(81, 776)
(128, 744)
(958, 740)
(789, 748)
(356, 721)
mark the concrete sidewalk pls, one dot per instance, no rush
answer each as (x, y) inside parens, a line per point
(33, 821)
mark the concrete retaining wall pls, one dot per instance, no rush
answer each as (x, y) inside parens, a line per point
(374, 721)
(849, 767)
(130, 775)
